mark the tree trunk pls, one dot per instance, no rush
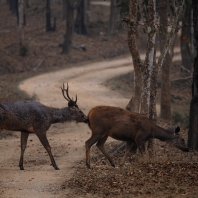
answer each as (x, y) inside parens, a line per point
(64, 6)
(80, 27)
(87, 15)
(193, 129)
(21, 21)
(165, 106)
(14, 7)
(153, 91)
(113, 17)
(69, 27)
(148, 65)
(48, 16)
(186, 38)
(169, 38)
(165, 103)
(170, 35)
(134, 103)
(27, 4)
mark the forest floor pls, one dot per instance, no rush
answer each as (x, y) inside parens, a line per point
(97, 79)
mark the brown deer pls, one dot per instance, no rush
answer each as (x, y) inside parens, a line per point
(124, 125)
(34, 117)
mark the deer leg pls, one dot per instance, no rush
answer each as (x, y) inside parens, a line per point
(150, 148)
(129, 145)
(24, 137)
(141, 145)
(100, 145)
(42, 137)
(88, 144)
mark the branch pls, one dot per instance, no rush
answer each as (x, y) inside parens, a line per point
(35, 68)
(185, 78)
(169, 40)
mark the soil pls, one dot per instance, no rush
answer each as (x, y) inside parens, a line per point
(170, 173)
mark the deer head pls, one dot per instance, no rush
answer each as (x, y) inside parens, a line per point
(71, 102)
(77, 114)
(179, 142)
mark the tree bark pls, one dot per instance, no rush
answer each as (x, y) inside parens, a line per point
(80, 27)
(27, 4)
(48, 16)
(113, 17)
(185, 38)
(64, 6)
(21, 21)
(69, 27)
(87, 15)
(193, 122)
(193, 129)
(153, 91)
(14, 6)
(165, 103)
(134, 103)
(170, 36)
(148, 64)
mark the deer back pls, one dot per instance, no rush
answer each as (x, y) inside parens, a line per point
(118, 123)
(21, 115)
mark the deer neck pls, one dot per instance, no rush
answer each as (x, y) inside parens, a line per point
(163, 134)
(60, 115)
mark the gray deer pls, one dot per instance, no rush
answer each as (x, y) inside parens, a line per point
(34, 117)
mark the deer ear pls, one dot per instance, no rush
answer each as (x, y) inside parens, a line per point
(177, 130)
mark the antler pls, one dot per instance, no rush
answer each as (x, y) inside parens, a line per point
(67, 90)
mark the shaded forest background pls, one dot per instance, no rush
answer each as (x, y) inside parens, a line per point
(43, 49)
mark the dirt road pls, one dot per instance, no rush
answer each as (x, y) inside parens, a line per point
(39, 179)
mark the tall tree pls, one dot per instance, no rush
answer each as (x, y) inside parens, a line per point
(165, 104)
(186, 42)
(132, 32)
(13, 6)
(48, 16)
(21, 20)
(64, 4)
(69, 26)
(143, 70)
(193, 123)
(113, 17)
(148, 66)
(27, 4)
(80, 24)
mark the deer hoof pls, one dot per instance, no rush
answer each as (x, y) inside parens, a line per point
(113, 165)
(186, 150)
(21, 168)
(56, 168)
(88, 166)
